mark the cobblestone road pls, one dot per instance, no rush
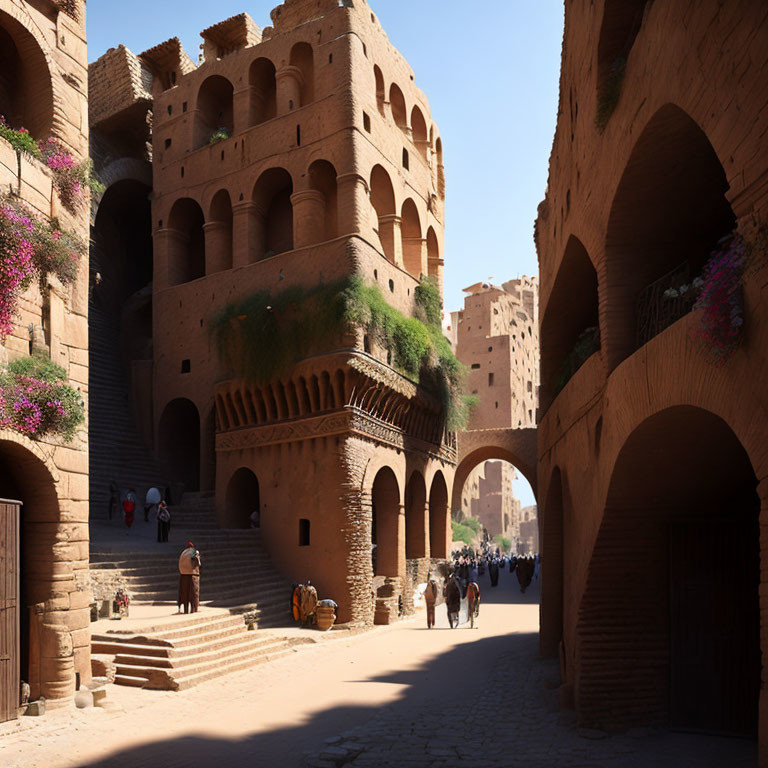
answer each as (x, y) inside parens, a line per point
(400, 696)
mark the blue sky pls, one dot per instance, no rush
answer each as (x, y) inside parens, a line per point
(491, 73)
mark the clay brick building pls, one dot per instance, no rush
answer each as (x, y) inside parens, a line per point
(44, 587)
(328, 166)
(497, 338)
(653, 595)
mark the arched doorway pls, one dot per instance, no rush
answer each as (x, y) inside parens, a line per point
(179, 443)
(46, 662)
(242, 500)
(439, 516)
(388, 541)
(26, 90)
(670, 615)
(416, 517)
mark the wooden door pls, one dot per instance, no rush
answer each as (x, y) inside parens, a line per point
(9, 610)
(714, 625)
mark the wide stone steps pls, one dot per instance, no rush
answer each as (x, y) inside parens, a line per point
(179, 656)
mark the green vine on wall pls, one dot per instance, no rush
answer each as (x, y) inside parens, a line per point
(263, 336)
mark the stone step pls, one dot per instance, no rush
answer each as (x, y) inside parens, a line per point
(134, 682)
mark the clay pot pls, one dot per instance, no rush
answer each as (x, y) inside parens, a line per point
(326, 617)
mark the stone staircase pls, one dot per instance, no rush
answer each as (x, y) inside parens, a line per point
(116, 449)
(191, 651)
(236, 575)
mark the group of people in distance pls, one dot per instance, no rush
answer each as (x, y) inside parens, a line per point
(462, 582)
(154, 505)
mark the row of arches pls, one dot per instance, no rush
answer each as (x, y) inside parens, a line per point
(404, 239)
(271, 93)
(239, 406)
(669, 212)
(413, 125)
(276, 222)
(426, 521)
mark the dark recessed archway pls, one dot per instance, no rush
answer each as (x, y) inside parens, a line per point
(388, 544)
(242, 500)
(179, 443)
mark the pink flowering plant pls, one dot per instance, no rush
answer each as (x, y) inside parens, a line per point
(720, 303)
(36, 400)
(19, 138)
(31, 248)
(70, 178)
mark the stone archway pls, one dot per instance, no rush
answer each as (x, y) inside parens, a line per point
(516, 446)
(242, 499)
(669, 623)
(179, 443)
(52, 602)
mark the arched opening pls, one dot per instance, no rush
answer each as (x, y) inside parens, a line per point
(416, 517)
(397, 103)
(178, 443)
(272, 195)
(440, 169)
(119, 329)
(263, 102)
(186, 260)
(419, 128)
(322, 177)
(303, 57)
(496, 504)
(214, 109)
(381, 90)
(433, 254)
(670, 615)
(242, 500)
(669, 212)
(439, 515)
(551, 611)
(413, 244)
(29, 540)
(570, 331)
(388, 547)
(383, 201)
(26, 91)
(622, 20)
(218, 254)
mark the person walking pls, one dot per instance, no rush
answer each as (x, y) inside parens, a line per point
(430, 597)
(114, 498)
(452, 594)
(493, 570)
(129, 507)
(473, 598)
(163, 522)
(189, 579)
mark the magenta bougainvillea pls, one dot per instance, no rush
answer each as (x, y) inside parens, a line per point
(36, 400)
(720, 303)
(30, 248)
(70, 178)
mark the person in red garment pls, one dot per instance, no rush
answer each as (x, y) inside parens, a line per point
(129, 507)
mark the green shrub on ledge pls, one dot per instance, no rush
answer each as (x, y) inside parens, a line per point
(262, 337)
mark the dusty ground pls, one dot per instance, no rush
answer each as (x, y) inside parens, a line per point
(400, 696)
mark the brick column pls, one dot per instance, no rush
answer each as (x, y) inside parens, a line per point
(762, 723)
(247, 233)
(242, 99)
(415, 255)
(218, 246)
(289, 82)
(169, 252)
(308, 217)
(391, 238)
(354, 206)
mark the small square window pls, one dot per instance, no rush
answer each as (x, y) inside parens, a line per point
(406, 160)
(366, 122)
(168, 143)
(490, 379)
(186, 366)
(475, 366)
(184, 107)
